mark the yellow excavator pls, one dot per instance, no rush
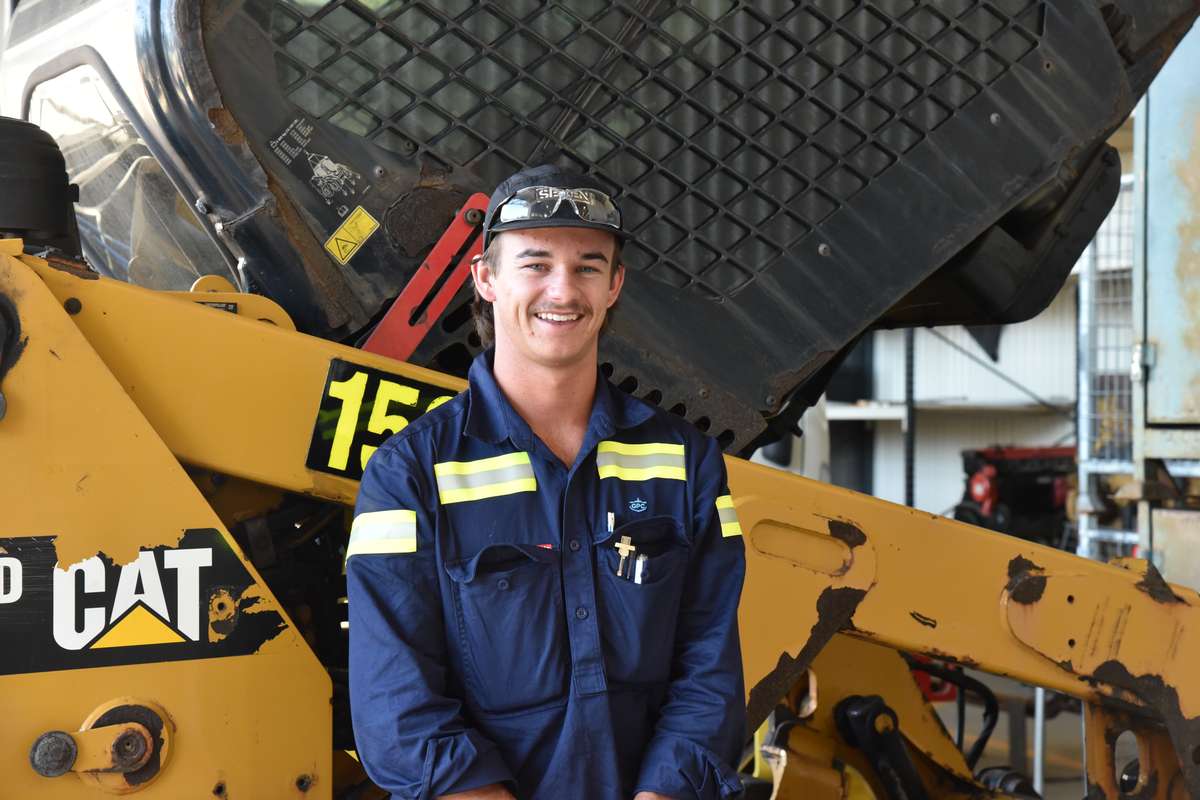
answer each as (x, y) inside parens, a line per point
(180, 443)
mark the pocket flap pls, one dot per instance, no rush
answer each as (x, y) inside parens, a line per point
(499, 558)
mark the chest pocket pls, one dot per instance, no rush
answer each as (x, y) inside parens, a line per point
(639, 609)
(508, 604)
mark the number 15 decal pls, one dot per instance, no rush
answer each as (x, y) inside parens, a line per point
(360, 409)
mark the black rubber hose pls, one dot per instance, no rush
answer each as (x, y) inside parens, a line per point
(991, 706)
(961, 705)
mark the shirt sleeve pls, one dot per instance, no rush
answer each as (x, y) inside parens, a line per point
(410, 735)
(702, 727)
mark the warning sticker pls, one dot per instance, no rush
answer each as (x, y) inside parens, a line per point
(351, 235)
(310, 156)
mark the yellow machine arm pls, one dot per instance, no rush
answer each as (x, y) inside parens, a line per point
(138, 427)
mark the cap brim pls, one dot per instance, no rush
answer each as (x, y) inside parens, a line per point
(553, 222)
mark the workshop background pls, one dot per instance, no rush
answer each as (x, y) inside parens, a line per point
(1061, 428)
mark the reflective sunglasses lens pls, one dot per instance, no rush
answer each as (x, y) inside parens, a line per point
(543, 202)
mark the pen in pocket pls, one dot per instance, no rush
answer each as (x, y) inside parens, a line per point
(639, 569)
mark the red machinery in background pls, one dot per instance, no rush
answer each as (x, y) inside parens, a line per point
(1021, 491)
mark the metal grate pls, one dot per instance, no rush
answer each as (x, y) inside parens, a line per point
(1108, 289)
(730, 128)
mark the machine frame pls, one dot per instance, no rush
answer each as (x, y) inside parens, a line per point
(112, 387)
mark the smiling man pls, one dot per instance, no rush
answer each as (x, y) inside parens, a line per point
(544, 572)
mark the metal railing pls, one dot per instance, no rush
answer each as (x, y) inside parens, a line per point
(1105, 351)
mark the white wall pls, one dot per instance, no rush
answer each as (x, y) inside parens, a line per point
(1039, 354)
(941, 438)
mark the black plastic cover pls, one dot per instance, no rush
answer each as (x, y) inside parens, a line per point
(37, 203)
(795, 173)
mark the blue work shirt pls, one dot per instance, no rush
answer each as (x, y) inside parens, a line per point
(491, 638)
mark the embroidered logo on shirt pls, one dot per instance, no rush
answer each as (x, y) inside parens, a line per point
(638, 505)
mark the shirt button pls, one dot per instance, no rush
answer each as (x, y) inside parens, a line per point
(581, 613)
(502, 584)
(574, 545)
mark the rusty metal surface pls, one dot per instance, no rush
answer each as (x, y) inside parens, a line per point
(1141, 643)
(120, 747)
(1117, 635)
(1158, 773)
(1172, 258)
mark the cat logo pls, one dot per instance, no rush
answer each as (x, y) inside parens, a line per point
(193, 598)
(137, 612)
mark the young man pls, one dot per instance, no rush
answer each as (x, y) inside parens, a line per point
(544, 572)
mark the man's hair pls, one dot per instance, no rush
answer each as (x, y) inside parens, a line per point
(481, 310)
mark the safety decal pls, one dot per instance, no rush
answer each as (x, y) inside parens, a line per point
(191, 600)
(351, 235)
(306, 151)
(360, 408)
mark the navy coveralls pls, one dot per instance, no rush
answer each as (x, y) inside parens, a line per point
(491, 639)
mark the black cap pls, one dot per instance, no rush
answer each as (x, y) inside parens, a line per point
(544, 175)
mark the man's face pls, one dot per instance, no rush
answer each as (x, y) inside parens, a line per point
(550, 290)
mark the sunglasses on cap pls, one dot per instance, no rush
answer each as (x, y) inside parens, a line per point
(543, 202)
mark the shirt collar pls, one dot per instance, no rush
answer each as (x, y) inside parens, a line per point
(491, 418)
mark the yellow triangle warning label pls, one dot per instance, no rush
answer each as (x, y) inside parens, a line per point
(138, 627)
(350, 236)
(345, 248)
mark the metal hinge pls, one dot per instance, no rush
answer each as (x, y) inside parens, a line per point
(1144, 354)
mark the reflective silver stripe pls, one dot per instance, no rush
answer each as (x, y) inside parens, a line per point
(463, 481)
(641, 462)
(475, 480)
(637, 462)
(727, 516)
(383, 533)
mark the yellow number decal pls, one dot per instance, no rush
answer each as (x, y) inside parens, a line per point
(350, 392)
(437, 401)
(383, 422)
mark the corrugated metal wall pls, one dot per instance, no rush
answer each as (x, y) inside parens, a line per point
(1039, 354)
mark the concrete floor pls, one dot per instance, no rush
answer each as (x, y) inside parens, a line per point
(1064, 740)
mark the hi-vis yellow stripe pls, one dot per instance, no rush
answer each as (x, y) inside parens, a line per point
(642, 473)
(728, 516)
(462, 481)
(490, 490)
(640, 462)
(383, 533)
(482, 465)
(649, 449)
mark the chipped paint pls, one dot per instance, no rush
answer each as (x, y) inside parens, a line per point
(1164, 699)
(1024, 585)
(928, 622)
(1153, 584)
(847, 532)
(835, 608)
